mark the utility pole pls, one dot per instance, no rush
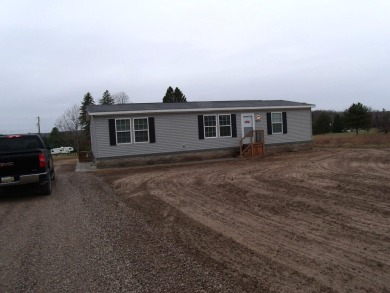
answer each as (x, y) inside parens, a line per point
(39, 125)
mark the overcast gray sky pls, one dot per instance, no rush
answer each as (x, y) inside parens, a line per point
(328, 53)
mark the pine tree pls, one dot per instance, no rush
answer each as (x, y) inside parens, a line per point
(174, 96)
(357, 117)
(337, 124)
(323, 124)
(88, 100)
(168, 98)
(178, 96)
(385, 121)
(54, 138)
(106, 99)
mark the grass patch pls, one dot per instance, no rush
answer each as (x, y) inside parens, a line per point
(351, 140)
(64, 157)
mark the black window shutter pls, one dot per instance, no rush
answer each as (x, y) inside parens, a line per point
(200, 127)
(152, 134)
(234, 125)
(269, 123)
(284, 116)
(111, 129)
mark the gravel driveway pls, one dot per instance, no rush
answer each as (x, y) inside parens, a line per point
(82, 238)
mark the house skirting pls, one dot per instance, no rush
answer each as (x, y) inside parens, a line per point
(188, 156)
(271, 149)
(166, 158)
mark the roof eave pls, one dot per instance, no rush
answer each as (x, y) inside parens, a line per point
(308, 106)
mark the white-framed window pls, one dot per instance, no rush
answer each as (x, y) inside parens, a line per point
(123, 130)
(210, 126)
(225, 125)
(141, 130)
(277, 122)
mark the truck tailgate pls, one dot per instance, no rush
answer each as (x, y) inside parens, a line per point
(20, 163)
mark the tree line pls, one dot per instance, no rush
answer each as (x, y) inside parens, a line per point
(355, 118)
(72, 128)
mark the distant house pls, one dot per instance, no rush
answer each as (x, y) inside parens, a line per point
(137, 130)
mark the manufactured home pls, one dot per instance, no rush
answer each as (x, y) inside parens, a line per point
(144, 130)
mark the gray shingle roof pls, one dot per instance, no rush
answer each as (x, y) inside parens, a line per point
(192, 106)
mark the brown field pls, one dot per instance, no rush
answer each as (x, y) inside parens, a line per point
(372, 139)
(307, 221)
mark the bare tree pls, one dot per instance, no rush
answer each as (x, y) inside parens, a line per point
(69, 123)
(121, 98)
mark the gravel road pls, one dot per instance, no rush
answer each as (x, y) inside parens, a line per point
(82, 238)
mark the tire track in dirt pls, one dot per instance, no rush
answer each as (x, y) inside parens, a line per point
(318, 220)
(231, 231)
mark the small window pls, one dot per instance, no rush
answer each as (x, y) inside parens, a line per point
(141, 130)
(123, 134)
(225, 125)
(277, 123)
(210, 126)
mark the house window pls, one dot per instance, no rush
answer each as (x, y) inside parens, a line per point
(141, 130)
(210, 126)
(123, 133)
(225, 126)
(277, 123)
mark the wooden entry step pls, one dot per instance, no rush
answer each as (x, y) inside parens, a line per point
(255, 148)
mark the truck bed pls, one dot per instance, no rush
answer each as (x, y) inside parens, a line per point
(24, 159)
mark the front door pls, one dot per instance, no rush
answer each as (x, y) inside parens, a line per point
(247, 124)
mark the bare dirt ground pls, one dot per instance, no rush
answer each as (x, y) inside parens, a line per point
(310, 221)
(316, 221)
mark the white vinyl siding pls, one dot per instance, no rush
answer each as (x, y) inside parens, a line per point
(123, 132)
(277, 123)
(177, 133)
(299, 127)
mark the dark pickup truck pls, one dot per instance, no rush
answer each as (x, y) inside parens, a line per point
(24, 159)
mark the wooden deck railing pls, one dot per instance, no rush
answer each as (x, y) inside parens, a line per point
(255, 147)
(85, 156)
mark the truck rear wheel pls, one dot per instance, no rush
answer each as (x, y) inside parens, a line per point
(47, 188)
